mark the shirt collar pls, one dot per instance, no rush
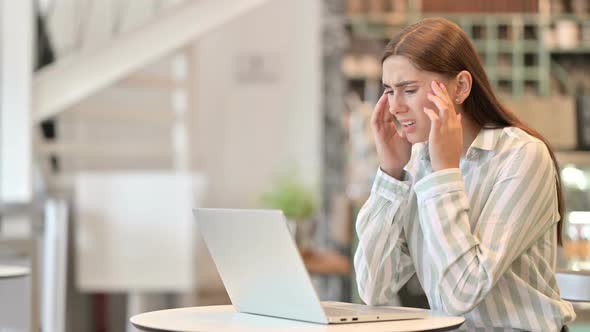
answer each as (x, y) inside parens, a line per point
(487, 138)
(419, 154)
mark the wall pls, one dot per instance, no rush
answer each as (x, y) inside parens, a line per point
(255, 119)
(16, 31)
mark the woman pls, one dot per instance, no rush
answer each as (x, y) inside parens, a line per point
(467, 197)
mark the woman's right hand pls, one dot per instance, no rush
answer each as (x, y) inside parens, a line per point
(393, 148)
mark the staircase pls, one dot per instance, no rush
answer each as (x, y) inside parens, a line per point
(87, 71)
(121, 96)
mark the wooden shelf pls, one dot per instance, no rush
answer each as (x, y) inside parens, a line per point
(326, 262)
(575, 50)
(577, 157)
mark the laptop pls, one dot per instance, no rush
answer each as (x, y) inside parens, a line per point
(264, 274)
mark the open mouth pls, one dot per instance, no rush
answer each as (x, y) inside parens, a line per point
(408, 123)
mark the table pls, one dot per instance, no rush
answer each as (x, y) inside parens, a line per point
(225, 318)
(7, 271)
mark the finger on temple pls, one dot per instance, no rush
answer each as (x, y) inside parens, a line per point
(377, 116)
(431, 114)
(386, 116)
(438, 102)
(443, 89)
(439, 88)
(381, 103)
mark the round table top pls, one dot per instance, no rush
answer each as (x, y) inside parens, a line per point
(7, 271)
(225, 318)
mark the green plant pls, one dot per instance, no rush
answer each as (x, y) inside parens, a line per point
(291, 196)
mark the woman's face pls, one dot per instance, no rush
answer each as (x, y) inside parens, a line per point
(407, 87)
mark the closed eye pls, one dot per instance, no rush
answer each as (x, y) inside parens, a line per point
(411, 91)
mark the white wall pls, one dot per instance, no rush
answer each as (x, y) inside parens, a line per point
(249, 128)
(16, 32)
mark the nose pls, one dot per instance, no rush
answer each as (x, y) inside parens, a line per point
(396, 105)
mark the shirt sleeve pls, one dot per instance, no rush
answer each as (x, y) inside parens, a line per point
(520, 208)
(382, 261)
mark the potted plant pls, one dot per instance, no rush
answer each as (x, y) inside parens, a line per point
(297, 202)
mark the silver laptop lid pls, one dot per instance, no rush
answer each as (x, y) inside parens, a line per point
(259, 263)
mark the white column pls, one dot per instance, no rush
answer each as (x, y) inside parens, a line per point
(16, 71)
(55, 245)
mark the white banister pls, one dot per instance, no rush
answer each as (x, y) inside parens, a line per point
(58, 86)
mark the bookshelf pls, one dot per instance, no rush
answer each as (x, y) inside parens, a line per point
(521, 43)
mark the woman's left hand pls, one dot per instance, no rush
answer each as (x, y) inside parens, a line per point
(445, 142)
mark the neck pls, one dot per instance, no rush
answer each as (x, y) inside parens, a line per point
(470, 131)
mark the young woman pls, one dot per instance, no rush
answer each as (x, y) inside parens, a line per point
(467, 197)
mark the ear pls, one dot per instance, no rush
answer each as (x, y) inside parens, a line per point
(464, 81)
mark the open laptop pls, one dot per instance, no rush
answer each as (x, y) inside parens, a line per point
(264, 274)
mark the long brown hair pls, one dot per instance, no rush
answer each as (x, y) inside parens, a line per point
(440, 46)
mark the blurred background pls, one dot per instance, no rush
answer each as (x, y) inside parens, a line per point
(118, 116)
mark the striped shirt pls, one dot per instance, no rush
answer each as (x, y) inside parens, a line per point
(481, 238)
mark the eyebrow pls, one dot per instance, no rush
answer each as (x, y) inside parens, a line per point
(402, 83)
